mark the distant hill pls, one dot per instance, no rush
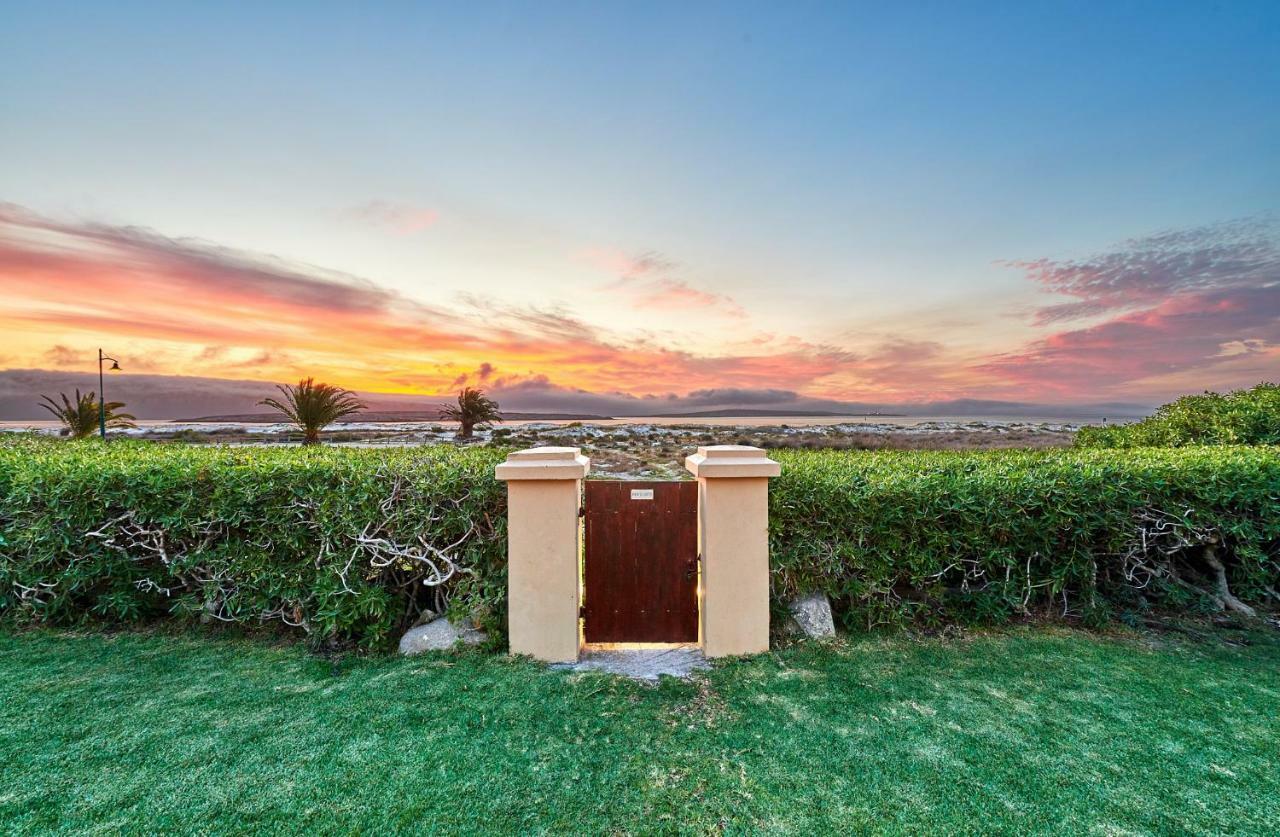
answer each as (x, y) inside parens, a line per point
(980, 407)
(166, 397)
(747, 413)
(390, 416)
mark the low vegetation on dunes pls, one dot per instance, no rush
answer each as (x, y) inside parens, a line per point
(1243, 417)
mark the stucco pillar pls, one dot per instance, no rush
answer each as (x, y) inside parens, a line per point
(543, 495)
(733, 539)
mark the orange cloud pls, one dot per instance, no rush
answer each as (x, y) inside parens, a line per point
(201, 306)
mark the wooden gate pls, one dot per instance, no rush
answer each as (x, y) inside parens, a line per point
(640, 575)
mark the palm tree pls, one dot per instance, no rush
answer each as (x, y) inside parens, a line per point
(312, 407)
(474, 409)
(80, 418)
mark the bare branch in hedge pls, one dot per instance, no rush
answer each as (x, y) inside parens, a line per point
(384, 553)
(137, 537)
(1165, 540)
(1224, 590)
(32, 595)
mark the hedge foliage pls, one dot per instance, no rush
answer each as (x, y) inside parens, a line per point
(1242, 417)
(337, 542)
(931, 537)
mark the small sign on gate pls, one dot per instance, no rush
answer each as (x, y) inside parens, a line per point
(642, 494)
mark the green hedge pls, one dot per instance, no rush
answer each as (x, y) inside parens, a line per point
(1243, 417)
(932, 537)
(337, 541)
(333, 541)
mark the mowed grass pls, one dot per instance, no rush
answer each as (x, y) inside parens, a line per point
(1030, 730)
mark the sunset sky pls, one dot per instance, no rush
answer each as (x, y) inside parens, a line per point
(722, 204)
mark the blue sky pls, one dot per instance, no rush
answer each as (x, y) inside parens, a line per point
(849, 180)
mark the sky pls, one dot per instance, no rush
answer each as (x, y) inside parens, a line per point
(659, 203)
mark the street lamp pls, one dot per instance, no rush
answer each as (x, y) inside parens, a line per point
(102, 398)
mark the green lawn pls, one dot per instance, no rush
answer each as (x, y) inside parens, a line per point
(1027, 730)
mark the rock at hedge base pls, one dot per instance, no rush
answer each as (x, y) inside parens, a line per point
(440, 635)
(812, 615)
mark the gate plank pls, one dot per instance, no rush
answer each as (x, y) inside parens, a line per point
(640, 580)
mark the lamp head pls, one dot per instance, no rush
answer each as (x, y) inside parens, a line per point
(115, 366)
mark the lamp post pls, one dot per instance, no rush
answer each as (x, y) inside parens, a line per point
(102, 397)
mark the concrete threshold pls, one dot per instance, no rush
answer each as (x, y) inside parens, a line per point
(643, 662)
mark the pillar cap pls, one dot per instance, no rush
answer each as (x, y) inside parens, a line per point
(731, 461)
(549, 463)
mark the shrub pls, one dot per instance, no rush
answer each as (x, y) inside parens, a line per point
(336, 542)
(1243, 417)
(931, 537)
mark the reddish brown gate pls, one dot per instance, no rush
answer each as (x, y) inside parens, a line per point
(641, 568)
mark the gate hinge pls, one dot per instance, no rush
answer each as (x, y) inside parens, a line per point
(582, 511)
(582, 611)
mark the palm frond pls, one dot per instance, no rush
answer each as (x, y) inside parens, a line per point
(473, 410)
(80, 417)
(311, 406)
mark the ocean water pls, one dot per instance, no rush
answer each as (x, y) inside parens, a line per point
(881, 423)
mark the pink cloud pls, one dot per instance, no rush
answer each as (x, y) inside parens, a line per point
(61, 356)
(399, 218)
(616, 262)
(482, 375)
(1144, 271)
(1186, 332)
(664, 293)
(1174, 303)
(647, 281)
